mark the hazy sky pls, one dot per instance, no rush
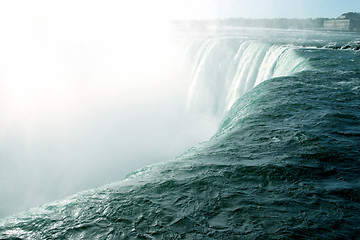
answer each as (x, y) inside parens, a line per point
(266, 8)
(182, 9)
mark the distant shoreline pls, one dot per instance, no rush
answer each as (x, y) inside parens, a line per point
(347, 22)
(280, 23)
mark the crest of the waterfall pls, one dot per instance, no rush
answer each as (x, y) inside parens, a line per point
(225, 69)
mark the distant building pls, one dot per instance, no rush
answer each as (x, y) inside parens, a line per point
(341, 25)
(346, 22)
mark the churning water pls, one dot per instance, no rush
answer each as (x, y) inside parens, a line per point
(283, 164)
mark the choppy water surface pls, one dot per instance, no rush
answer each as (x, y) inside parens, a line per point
(284, 163)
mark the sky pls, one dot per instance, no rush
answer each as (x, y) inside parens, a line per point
(265, 8)
(182, 9)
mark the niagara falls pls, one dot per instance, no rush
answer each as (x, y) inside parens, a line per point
(177, 119)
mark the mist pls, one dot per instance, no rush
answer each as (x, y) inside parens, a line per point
(88, 94)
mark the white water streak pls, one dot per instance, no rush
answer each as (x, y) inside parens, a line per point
(216, 85)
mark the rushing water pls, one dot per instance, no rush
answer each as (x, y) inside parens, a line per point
(283, 164)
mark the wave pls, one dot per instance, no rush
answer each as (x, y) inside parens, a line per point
(353, 45)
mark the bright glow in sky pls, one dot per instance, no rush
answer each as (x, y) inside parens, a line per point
(264, 8)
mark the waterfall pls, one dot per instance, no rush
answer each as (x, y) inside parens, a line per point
(225, 69)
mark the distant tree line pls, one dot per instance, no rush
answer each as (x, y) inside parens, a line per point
(351, 15)
(355, 20)
(282, 23)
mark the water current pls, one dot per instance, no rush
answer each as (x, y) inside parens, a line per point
(283, 164)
